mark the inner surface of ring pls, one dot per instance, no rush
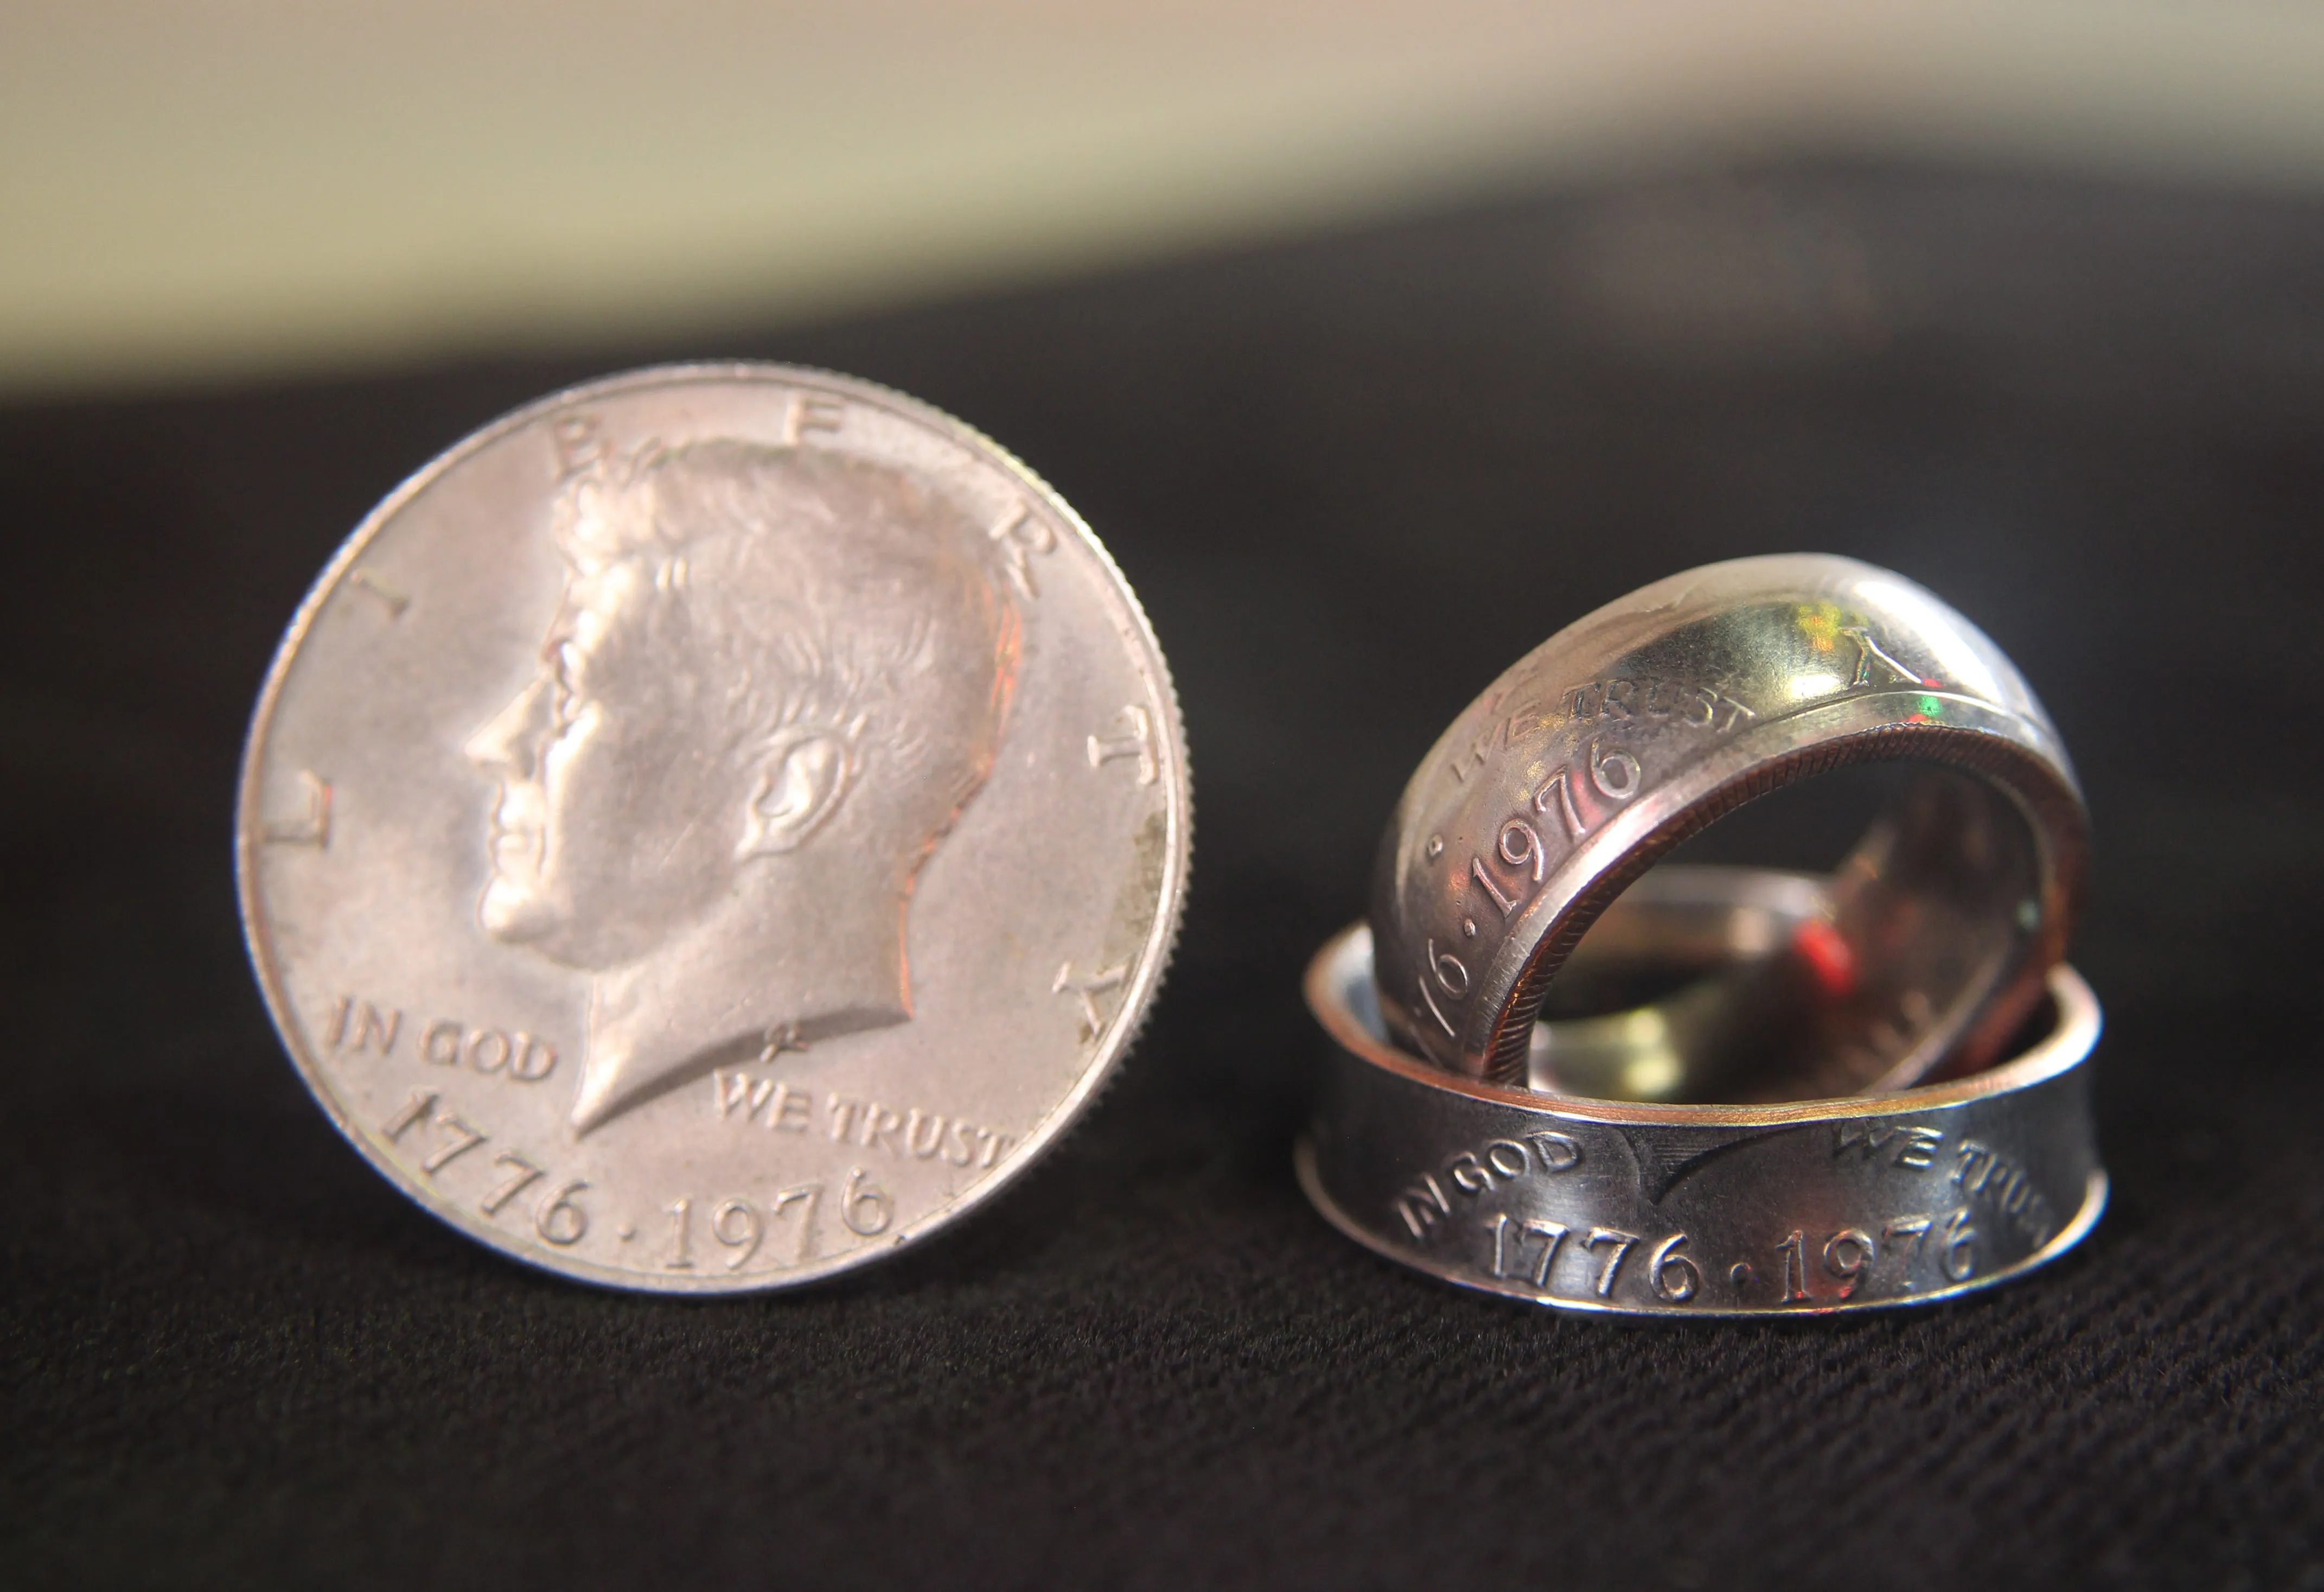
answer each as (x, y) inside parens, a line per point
(2057, 1029)
(1662, 1000)
(1921, 926)
(1914, 934)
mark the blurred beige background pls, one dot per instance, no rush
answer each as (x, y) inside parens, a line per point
(195, 190)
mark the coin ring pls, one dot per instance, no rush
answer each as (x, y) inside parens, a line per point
(1704, 937)
(1644, 721)
(1811, 1207)
(1037, 878)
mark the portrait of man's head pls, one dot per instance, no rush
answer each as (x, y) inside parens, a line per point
(774, 678)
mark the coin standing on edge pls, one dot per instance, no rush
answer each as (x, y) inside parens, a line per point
(713, 827)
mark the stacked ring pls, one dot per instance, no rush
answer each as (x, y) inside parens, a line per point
(1802, 1208)
(1640, 725)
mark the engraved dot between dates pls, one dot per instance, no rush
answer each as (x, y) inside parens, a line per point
(1815, 1267)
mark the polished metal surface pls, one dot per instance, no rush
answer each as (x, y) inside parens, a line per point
(1681, 986)
(1636, 726)
(1804, 1209)
(713, 827)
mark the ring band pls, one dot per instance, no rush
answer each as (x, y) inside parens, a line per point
(1641, 724)
(1807, 1207)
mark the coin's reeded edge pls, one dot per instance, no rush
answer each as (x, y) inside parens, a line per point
(1162, 935)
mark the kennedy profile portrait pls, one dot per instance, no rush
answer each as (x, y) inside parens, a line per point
(775, 676)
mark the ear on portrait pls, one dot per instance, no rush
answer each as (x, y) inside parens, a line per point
(801, 777)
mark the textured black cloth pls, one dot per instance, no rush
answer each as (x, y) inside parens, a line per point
(1352, 480)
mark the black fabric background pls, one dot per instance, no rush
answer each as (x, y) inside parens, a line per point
(1352, 479)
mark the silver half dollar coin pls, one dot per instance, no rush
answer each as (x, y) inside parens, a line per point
(713, 827)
